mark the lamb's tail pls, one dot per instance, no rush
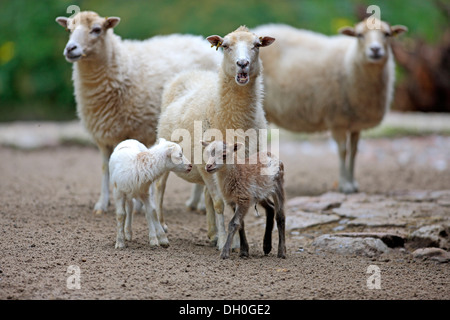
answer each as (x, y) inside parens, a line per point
(279, 196)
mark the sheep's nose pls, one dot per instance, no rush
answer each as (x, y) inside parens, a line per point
(189, 167)
(208, 167)
(242, 63)
(375, 49)
(71, 47)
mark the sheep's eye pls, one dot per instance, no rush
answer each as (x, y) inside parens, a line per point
(225, 46)
(96, 30)
(359, 35)
(387, 34)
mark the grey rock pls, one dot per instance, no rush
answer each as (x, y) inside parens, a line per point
(300, 219)
(350, 245)
(436, 235)
(436, 254)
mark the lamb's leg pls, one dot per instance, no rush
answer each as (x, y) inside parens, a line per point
(354, 138)
(243, 252)
(233, 226)
(340, 136)
(120, 218)
(281, 225)
(196, 201)
(129, 219)
(137, 206)
(160, 188)
(156, 232)
(270, 214)
(102, 204)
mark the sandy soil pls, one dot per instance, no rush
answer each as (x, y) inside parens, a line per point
(47, 225)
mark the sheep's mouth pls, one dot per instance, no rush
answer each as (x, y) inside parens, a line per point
(211, 170)
(242, 78)
(73, 58)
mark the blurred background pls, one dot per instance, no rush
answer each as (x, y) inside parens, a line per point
(35, 79)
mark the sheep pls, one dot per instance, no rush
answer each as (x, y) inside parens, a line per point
(339, 83)
(133, 168)
(118, 83)
(228, 99)
(242, 186)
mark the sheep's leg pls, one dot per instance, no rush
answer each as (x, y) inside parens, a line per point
(102, 204)
(160, 188)
(281, 225)
(129, 219)
(156, 233)
(270, 214)
(354, 138)
(137, 206)
(196, 200)
(340, 137)
(120, 218)
(243, 251)
(218, 208)
(210, 218)
(233, 226)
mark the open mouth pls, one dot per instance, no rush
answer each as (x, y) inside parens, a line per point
(375, 57)
(211, 170)
(242, 78)
(73, 58)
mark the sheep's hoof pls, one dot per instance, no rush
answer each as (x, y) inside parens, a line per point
(347, 187)
(154, 242)
(120, 245)
(164, 242)
(128, 236)
(224, 255)
(244, 254)
(99, 212)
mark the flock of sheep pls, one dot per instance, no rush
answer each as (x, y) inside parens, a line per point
(133, 95)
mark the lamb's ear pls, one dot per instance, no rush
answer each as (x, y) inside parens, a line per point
(398, 29)
(266, 41)
(111, 22)
(216, 41)
(348, 31)
(161, 140)
(62, 21)
(204, 143)
(170, 150)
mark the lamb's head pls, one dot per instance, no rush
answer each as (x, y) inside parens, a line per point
(218, 152)
(87, 34)
(176, 160)
(373, 38)
(241, 53)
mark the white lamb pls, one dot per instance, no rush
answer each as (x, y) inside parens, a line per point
(133, 169)
(340, 83)
(228, 99)
(259, 180)
(118, 83)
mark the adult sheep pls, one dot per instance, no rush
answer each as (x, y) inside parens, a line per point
(118, 83)
(229, 98)
(339, 83)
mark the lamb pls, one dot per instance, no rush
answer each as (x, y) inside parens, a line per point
(133, 169)
(340, 83)
(242, 186)
(228, 99)
(118, 83)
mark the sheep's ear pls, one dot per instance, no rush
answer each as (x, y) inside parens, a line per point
(398, 29)
(111, 22)
(204, 143)
(237, 146)
(161, 140)
(62, 21)
(216, 41)
(348, 31)
(266, 41)
(170, 150)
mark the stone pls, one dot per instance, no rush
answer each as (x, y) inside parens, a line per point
(436, 254)
(436, 235)
(350, 245)
(390, 239)
(300, 219)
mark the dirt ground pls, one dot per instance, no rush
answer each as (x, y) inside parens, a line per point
(46, 201)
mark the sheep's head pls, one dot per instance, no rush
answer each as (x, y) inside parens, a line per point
(87, 34)
(178, 162)
(241, 53)
(374, 38)
(218, 152)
